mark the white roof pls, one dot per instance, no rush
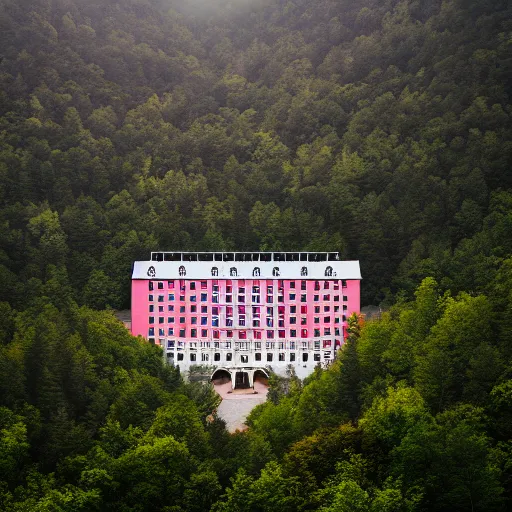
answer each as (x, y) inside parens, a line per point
(246, 270)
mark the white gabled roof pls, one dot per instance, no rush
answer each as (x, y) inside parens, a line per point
(164, 270)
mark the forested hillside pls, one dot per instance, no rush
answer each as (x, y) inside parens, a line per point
(379, 129)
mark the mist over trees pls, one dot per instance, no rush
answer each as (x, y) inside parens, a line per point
(381, 130)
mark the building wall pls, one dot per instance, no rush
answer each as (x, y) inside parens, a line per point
(180, 306)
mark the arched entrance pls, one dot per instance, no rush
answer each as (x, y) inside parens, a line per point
(221, 376)
(241, 378)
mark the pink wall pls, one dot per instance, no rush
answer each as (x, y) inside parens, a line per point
(326, 304)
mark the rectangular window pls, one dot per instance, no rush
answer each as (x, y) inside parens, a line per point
(317, 333)
(192, 285)
(216, 334)
(336, 309)
(327, 297)
(305, 357)
(316, 298)
(317, 309)
(304, 333)
(204, 320)
(204, 333)
(327, 331)
(151, 298)
(303, 310)
(303, 320)
(216, 356)
(193, 333)
(293, 309)
(182, 319)
(170, 307)
(205, 357)
(151, 308)
(215, 310)
(257, 335)
(160, 309)
(151, 331)
(281, 356)
(160, 285)
(161, 320)
(242, 335)
(317, 320)
(343, 283)
(229, 356)
(257, 356)
(292, 284)
(182, 333)
(281, 333)
(170, 320)
(293, 333)
(345, 307)
(269, 358)
(316, 357)
(317, 285)
(151, 319)
(303, 285)
(151, 286)
(161, 298)
(270, 334)
(336, 298)
(293, 320)
(204, 297)
(192, 357)
(170, 331)
(292, 357)
(326, 309)
(327, 319)
(182, 298)
(345, 298)
(292, 296)
(193, 309)
(204, 309)
(193, 320)
(182, 309)
(303, 298)
(229, 334)
(192, 298)
(326, 285)
(170, 285)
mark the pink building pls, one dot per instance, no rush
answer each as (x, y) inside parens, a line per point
(244, 311)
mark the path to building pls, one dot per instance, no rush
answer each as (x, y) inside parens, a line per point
(236, 406)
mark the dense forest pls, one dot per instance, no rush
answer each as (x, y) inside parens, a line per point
(379, 129)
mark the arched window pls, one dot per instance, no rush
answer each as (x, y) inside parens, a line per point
(328, 272)
(215, 271)
(232, 272)
(275, 272)
(182, 272)
(256, 272)
(304, 271)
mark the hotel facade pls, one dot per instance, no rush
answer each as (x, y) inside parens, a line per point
(242, 311)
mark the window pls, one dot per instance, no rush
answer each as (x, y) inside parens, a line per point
(303, 285)
(170, 307)
(193, 309)
(257, 356)
(192, 298)
(336, 298)
(317, 285)
(304, 333)
(316, 298)
(170, 331)
(151, 286)
(303, 298)
(204, 297)
(303, 320)
(292, 296)
(281, 356)
(161, 298)
(293, 320)
(241, 298)
(229, 356)
(151, 298)
(344, 317)
(293, 309)
(336, 309)
(192, 285)
(170, 320)
(182, 309)
(292, 357)
(292, 284)
(327, 331)
(182, 319)
(180, 357)
(204, 309)
(345, 307)
(204, 320)
(161, 319)
(151, 308)
(270, 334)
(193, 320)
(182, 298)
(204, 333)
(160, 309)
(192, 357)
(193, 333)
(216, 356)
(303, 310)
(151, 319)
(293, 333)
(151, 331)
(317, 333)
(170, 285)
(317, 309)
(229, 334)
(205, 357)
(182, 333)
(326, 285)
(215, 310)
(345, 298)
(327, 297)
(269, 358)
(317, 320)
(161, 332)
(160, 286)
(316, 357)
(244, 359)
(327, 319)
(305, 358)
(281, 333)
(326, 309)
(343, 283)
(216, 334)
